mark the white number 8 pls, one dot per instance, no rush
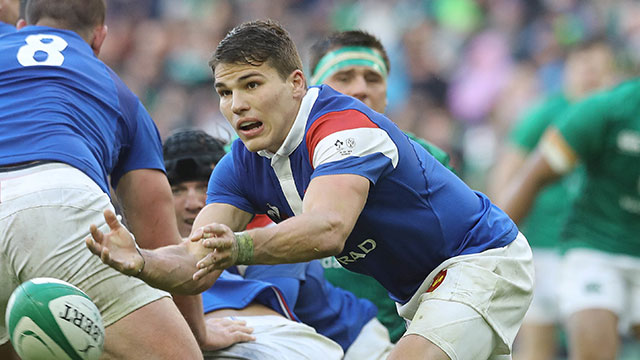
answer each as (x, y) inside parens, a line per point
(52, 47)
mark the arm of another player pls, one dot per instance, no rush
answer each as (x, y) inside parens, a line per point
(147, 203)
(331, 207)
(146, 198)
(509, 163)
(553, 158)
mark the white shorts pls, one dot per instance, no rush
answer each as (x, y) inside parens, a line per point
(544, 309)
(45, 213)
(372, 343)
(278, 338)
(593, 279)
(483, 295)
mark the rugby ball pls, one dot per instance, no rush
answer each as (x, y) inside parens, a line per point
(49, 318)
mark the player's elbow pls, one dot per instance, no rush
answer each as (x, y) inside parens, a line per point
(336, 234)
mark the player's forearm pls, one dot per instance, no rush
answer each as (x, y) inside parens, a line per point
(301, 238)
(170, 268)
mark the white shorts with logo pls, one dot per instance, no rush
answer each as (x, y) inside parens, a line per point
(544, 309)
(278, 338)
(472, 306)
(45, 213)
(593, 279)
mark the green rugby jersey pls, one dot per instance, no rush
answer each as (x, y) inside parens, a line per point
(604, 131)
(544, 223)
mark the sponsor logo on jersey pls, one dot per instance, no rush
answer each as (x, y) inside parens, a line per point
(274, 214)
(352, 256)
(437, 280)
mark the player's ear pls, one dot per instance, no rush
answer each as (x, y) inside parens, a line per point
(98, 36)
(21, 23)
(299, 82)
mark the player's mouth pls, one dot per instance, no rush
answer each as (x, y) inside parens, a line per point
(189, 221)
(250, 127)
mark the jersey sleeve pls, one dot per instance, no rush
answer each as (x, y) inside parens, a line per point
(528, 130)
(143, 150)
(348, 142)
(225, 186)
(584, 124)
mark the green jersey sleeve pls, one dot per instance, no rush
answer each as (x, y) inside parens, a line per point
(528, 130)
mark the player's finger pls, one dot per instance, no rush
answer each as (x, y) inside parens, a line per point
(95, 233)
(111, 220)
(202, 272)
(206, 261)
(242, 336)
(93, 246)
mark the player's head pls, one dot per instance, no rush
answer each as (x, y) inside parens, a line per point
(354, 63)
(258, 75)
(9, 11)
(85, 17)
(590, 66)
(189, 157)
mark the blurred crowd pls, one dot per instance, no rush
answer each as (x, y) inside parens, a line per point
(462, 71)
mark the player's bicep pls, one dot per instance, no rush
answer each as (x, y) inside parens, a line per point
(147, 203)
(341, 197)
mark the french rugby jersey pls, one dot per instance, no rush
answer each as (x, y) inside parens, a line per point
(297, 291)
(6, 28)
(417, 215)
(59, 102)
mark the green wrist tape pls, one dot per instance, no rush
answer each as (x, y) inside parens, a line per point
(244, 242)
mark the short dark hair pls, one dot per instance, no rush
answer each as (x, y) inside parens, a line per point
(343, 39)
(258, 42)
(80, 16)
(190, 155)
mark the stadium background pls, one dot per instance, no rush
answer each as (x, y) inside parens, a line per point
(462, 71)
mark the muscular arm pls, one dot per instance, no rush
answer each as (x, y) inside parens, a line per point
(331, 206)
(552, 159)
(147, 204)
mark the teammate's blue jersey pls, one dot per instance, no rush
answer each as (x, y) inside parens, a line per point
(6, 28)
(297, 291)
(232, 291)
(59, 102)
(417, 215)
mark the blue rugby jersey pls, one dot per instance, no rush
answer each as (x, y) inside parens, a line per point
(297, 291)
(417, 215)
(332, 311)
(232, 291)
(59, 102)
(6, 28)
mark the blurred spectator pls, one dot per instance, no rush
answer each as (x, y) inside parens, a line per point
(464, 68)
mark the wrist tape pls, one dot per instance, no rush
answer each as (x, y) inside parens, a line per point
(244, 242)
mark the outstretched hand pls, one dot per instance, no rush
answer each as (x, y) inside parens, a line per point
(117, 248)
(224, 332)
(220, 239)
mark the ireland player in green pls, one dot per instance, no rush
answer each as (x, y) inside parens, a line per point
(355, 63)
(589, 67)
(600, 278)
